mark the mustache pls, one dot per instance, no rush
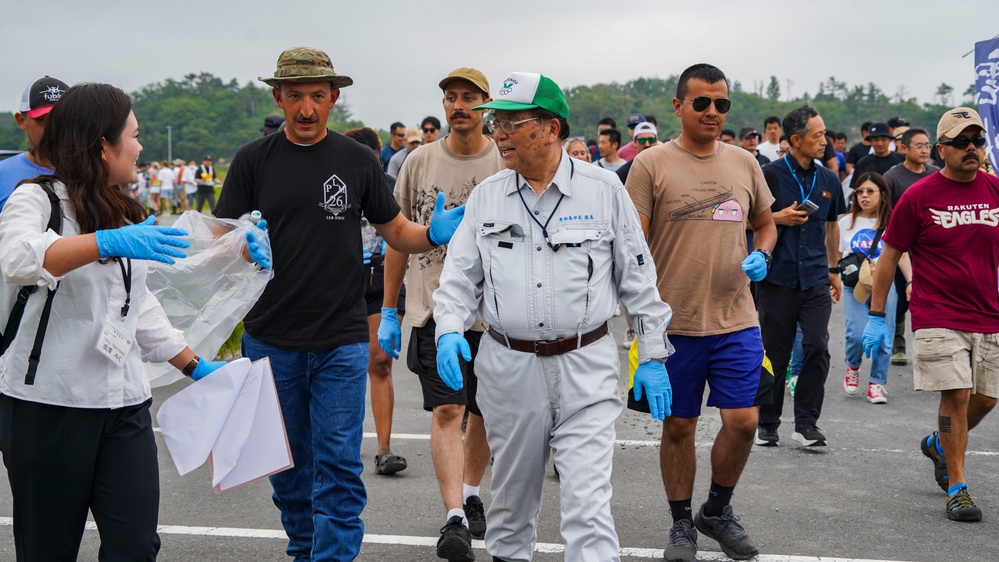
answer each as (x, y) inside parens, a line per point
(304, 120)
(971, 156)
(461, 114)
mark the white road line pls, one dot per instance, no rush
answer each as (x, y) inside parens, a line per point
(405, 540)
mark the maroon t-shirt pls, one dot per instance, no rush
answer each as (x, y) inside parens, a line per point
(951, 231)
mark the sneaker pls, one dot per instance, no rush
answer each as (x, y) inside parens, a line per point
(852, 380)
(729, 533)
(455, 543)
(628, 338)
(682, 545)
(929, 447)
(876, 394)
(389, 463)
(899, 358)
(766, 437)
(808, 436)
(961, 508)
(475, 512)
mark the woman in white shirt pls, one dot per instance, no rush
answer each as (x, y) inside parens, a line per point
(75, 427)
(870, 208)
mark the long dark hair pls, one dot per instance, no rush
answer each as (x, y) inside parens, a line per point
(884, 207)
(84, 116)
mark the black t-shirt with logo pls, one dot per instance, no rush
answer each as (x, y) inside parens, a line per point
(312, 198)
(879, 164)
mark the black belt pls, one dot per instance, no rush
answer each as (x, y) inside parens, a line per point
(547, 348)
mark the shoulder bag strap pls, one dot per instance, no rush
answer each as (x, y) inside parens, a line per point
(55, 224)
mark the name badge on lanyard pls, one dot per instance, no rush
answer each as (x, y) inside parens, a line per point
(115, 340)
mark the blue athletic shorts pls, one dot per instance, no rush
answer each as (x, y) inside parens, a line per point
(733, 365)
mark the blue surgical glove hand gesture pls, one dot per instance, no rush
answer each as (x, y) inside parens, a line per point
(142, 241)
(449, 346)
(875, 332)
(259, 253)
(390, 332)
(755, 266)
(444, 223)
(652, 380)
(206, 368)
(367, 257)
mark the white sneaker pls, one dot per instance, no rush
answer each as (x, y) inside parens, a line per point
(852, 380)
(628, 338)
(876, 394)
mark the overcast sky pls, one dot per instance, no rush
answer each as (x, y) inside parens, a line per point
(396, 51)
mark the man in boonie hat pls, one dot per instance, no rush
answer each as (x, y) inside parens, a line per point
(312, 185)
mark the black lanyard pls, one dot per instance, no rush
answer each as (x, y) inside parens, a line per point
(815, 176)
(544, 227)
(126, 277)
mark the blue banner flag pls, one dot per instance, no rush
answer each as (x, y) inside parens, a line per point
(987, 90)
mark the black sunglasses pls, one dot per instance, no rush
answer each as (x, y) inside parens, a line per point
(961, 143)
(429, 129)
(701, 103)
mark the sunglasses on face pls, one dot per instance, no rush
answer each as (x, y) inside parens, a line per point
(647, 140)
(701, 103)
(429, 129)
(400, 135)
(961, 143)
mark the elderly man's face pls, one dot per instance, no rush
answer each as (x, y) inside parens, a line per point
(526, 145)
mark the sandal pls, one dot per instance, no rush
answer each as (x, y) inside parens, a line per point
(389, 463)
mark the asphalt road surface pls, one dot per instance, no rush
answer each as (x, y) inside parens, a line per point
(869, 495)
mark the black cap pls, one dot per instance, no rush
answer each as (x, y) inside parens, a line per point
(747, 132)
(635, 119)
(879, 130)
(897, 122)
(38, 98)
(272, 124)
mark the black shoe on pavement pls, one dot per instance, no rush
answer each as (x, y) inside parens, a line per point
(475, 512)
(455, 543)
(961, 508)
(939, 462)
(808, 436)
(682, 545)
(389, 463)
(728, 532)
(767, 437)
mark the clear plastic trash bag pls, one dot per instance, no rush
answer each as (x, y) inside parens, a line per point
(206, 294)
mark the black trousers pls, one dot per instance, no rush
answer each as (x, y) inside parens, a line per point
(63, 461)
(781, 310)
(204, 194)
(900, 309)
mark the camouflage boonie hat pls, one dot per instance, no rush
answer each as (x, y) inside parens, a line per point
(305, 64)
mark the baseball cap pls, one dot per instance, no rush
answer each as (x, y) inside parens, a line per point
(470, 74)
(528, 90)
(646, 127)
(879, 130)
(414, 135)
(747, 132)
(899, 131)
(634, 119)
(38, 98)
(272, 124)
(305, 64)
(897, 122)
(956, 120)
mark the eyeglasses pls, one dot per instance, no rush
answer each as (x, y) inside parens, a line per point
(701, 103)
(868, 191)
(920, 146)
(961, 143)
(429, 129)
(400, 135)
(507, 125)
(647, 140)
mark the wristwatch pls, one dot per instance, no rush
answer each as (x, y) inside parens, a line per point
(767, 256)
(833, 270)
(188, 369)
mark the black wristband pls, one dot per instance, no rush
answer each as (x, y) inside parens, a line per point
(833, 270)
(431, 240)
(879, 314)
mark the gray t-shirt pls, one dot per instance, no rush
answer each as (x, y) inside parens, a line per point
(899, 179)
(603, 163)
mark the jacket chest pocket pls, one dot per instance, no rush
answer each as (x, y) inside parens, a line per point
(582, 256)
(503, 248)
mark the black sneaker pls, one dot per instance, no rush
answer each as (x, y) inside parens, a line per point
(455, 543)
(389, 463)
(929, 447)
(961, 508)
(808, 436)
(682, 545)
(767, 437)
(725, 529)
(475, 512)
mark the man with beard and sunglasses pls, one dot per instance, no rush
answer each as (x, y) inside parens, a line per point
(948, 222)
(696, 198)
(453, 167)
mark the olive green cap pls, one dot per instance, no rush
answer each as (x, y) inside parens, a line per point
(305, 64)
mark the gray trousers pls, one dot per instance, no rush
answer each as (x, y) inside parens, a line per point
(566, 404)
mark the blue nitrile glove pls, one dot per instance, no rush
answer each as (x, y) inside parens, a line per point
(449, 346)
(755, 266)
(443, 222)
(367, 257)
(142, 241)
(206, 368)
(390, 332)
(875, 332)
(651, 378)
(259, 253)
(383, 246)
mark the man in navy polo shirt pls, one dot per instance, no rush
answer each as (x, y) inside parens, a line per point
(802, 283)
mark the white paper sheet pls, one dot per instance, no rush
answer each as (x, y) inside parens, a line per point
(231, 417)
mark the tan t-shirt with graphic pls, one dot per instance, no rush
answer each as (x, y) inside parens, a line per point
(430, 169)
(700, 209)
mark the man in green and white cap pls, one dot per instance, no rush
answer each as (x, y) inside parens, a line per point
(549, 245)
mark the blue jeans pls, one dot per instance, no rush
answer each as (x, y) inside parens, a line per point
(856, 321)
(322, 401)
(797, 353)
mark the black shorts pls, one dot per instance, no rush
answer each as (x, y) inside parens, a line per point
(421, 358)
(375, 292)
